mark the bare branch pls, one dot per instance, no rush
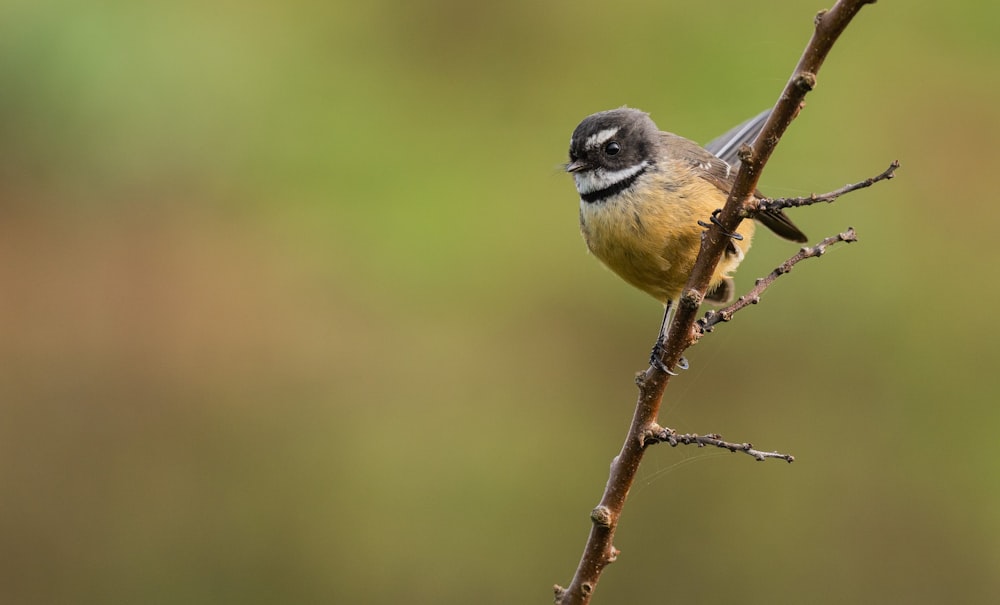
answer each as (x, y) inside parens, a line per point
(707, 323)
(658, 434)
(764, 204)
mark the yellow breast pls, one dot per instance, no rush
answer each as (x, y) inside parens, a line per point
(651, 239)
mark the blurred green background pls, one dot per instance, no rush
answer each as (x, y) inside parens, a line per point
(294, 308)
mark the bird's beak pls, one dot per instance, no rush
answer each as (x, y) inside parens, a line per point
(576, 166)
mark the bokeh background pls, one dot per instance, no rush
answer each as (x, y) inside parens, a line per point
(294, 308)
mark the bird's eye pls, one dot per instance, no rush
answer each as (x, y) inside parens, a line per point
(612, 148)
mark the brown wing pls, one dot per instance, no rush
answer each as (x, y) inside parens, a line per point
(722, 175)
(704, 165)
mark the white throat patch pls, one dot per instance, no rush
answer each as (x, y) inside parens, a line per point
(599, 178)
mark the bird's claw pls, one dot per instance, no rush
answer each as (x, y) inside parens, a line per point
(656, 357)
(715, 219)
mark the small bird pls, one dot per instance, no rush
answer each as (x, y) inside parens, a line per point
(643, 193)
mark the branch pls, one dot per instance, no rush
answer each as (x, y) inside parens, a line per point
(707, 323)
(764, 203)
(658, 434)
(599, 551)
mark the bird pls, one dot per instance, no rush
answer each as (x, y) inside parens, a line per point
(645, 195)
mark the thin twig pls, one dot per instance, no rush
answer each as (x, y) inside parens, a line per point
(707, 323)
(658, 434)
(780, 203)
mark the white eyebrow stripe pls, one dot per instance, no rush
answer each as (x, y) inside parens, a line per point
(595, 180)
(596, 140)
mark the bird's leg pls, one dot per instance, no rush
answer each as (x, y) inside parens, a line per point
(715, 219)
(656, 357)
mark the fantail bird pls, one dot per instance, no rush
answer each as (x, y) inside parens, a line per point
(643, 193)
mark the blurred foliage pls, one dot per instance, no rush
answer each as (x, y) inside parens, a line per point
(295, 310)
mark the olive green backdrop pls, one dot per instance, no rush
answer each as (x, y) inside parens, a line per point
(294, 309)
